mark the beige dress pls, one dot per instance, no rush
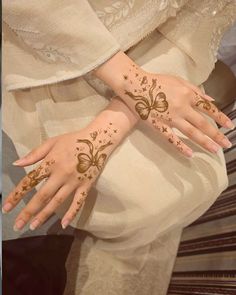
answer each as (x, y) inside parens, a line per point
(147, 192)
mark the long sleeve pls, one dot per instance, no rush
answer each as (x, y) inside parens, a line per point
(57, 37)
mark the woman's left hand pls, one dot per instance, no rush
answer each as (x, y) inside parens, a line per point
(71, 163)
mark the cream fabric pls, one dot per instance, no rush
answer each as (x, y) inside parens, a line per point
(73, 40)
(120, 211)
(80, 35)
(147, 191)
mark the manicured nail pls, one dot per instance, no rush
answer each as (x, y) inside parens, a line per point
(65, 223)
(19, 225)
(34, 224)
(189, 153)
(229, 125)
(18, 162)
(213, 148)
(7, 207)
(226, 143)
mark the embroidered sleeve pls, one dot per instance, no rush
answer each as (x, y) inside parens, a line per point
(60, 31)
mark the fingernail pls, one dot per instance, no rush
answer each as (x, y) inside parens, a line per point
(226, 143)
(213, 148)
(34, 224)
(18, 162)
(189, 153)
(229, 125)
(19, 225)
(7, 207)
(65, 223)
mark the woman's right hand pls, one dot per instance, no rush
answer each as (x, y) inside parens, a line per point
(165, 102)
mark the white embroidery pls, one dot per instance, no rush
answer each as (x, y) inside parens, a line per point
(30, 37)
(110, 14)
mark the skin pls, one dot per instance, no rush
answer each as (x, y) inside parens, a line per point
(165, 102)
(70, 164)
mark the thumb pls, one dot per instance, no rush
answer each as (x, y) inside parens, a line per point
(36, 154)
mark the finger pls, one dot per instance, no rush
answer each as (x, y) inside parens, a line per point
(197, 90)
(61, 195)
(197, 119)
(32, 179)
(40, 199)
(168, 133)
(78, 201)
(210, 109)
(196, 135)
(36, 154)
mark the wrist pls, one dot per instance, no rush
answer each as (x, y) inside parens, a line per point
(112, 72)
(117, 120)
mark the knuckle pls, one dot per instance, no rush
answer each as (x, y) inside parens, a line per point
(44, 214)
(189, 130)
(67, 171)
(217, 136)
(26, 214)
(186, 91)
(33, 153)
(204, 142)
(202, 123)
(58, 200)
(43, 198)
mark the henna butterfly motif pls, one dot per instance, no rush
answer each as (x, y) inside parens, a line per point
(85, 161)
(144, 106)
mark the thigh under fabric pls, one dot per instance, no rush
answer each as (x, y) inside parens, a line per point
(146, 188)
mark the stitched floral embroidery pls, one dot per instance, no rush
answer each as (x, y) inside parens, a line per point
(119, 9)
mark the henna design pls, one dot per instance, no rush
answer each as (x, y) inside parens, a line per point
(85, 161)
(144, 80)
(94, 135)
(80, 201)
(164, 129)
(144, 106)
(93, 158)
(35, 176)
(205, 104)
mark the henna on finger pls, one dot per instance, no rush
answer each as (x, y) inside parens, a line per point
(79, 200)
(172, 138)
(31, 180)
(210, 109)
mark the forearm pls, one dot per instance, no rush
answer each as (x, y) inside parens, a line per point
(114, 71)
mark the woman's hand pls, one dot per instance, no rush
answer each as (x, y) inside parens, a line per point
(71, 163)
(164, 102)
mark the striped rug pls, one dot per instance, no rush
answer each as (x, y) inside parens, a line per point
(206, 260)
